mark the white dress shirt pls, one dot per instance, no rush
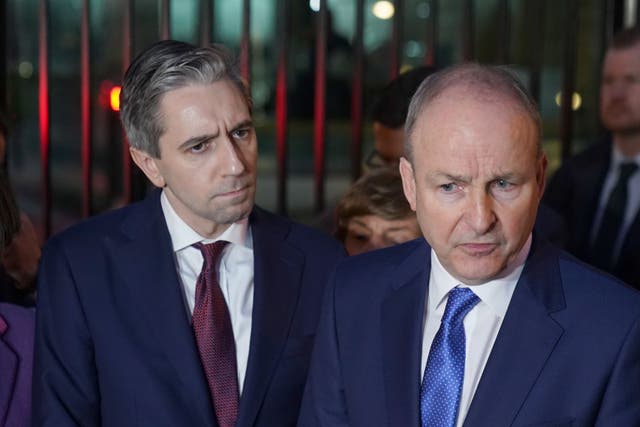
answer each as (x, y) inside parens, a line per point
(633, 197)
(235, 275)
(481, 324)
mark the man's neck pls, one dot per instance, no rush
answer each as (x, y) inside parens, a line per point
(628, 144)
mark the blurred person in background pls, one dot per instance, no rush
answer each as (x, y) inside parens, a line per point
(598, 191)
(16, 332)
(20, 256)
(374, 213)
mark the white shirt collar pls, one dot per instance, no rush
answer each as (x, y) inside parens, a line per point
(618, 158)
(183, 236)
(496, 293)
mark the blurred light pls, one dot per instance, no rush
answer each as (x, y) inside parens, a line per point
(314, 5)
(414, 49)
(576, 100)
(383, 9)
(114, 98)
(25, 69)
(423, 11)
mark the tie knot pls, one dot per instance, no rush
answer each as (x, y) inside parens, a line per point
(626, 170)
(211, 252)
(459, 303)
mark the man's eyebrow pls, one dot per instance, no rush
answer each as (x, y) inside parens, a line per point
(449, 177)
(195, 140)
(243, 124)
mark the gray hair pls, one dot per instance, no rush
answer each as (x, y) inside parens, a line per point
(488, 83)
(166, 66)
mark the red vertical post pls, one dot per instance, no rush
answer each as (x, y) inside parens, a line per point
(85, 109)
(319, 116)
(284, 32)
(432, 35)
(43, 113)
(396, 39)
(127, 43)
(245, 44)
(165, 19)
(206, 13)
(356, 92)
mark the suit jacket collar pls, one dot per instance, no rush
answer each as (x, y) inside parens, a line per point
(526, 338)
(278, 270)
(403, 310)
(8, 372)
(151, 277)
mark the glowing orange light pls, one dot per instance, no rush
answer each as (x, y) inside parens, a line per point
(114, 98)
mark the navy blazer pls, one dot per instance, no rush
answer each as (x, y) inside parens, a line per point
(114, 344)
(574, 192)
(567, 353)
(17, 326)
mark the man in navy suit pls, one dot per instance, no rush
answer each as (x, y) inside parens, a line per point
(140, 323)
(481, 323)
(581, 189)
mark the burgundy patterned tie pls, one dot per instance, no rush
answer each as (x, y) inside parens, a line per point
(214, 335)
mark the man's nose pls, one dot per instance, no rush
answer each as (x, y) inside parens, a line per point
(232, 158)
(480, 215)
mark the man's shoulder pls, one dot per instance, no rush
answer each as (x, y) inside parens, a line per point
(127, 219)
(595, 155)
(301, 236)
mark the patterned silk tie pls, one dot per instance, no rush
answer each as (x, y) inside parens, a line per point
(444, 373)
(214, 336)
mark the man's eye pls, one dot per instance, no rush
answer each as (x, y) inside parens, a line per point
(449, 187)
(198, 147)
(241, 133)
(503, 184)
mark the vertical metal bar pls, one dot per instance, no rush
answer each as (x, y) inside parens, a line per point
(283, 34)
(43, 110)
(356, 92)
(432, 34)
(206, 10)
(396, 38)
(536, 46)
(127, 43)
(568, 80)
(85, 109)
(468, 30)
(504, 41)
(3, 57)
(165, 19)
(319, 128)
(245, 43)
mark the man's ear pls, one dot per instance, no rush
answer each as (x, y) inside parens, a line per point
(541, 174)
(148, 165)
(408, 182)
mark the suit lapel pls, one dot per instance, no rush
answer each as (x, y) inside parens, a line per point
(526, 338)
(8, 373)
(277, 279)
(152, 279)
(401, 325)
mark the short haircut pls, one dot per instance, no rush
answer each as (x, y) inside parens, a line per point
(390, 108)
(624, 39)
(487, 83)
(377, 193)
(166, 66)
(9, 214)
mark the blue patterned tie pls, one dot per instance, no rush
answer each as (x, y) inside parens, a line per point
(444, 373)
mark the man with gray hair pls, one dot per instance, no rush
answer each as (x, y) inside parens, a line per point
(481, 323)
(193, 307)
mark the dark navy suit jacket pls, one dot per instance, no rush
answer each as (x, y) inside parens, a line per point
(114, 345)
(17, 325)
(567, 353)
